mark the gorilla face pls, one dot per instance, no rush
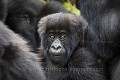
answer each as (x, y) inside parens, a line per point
(56, 43)
(23, 21)
(57, 51)
(60, 34)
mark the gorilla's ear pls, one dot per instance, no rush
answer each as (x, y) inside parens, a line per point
(83, 22)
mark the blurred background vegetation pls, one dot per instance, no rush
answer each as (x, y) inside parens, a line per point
(68, 5)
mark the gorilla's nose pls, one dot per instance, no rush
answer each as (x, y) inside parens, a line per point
(56, 47)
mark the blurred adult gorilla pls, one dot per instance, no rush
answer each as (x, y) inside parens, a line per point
(16, 60)
(103, 34)
(65, 54)
(22, 18)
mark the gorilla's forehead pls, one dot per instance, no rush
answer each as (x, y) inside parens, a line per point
(58, 26)
(65, 21)
(57, 31)
(61, 21)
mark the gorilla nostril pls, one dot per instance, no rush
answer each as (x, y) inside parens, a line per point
(53, 47)
(56, 47)
(59, 47)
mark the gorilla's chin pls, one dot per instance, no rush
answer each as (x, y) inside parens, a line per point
(58, 59)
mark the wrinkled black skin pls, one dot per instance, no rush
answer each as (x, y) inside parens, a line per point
(22, 18)
(77, 56)
(17, 63)
(103, 33)
(51, 7)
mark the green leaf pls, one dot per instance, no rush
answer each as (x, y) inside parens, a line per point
(72, 8)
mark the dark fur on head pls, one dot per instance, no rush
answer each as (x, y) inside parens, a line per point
(74, 25)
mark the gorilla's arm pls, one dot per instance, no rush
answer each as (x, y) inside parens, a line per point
(16, 60)
(84, 66)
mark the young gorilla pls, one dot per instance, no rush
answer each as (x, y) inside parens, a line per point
(103, 33)
(65, 55)
(16, 60)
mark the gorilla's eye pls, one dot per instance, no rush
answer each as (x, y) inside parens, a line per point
(51, 37)
(63, 37)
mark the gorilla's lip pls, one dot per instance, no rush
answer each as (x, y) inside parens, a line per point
(56, 55)
(56, 58)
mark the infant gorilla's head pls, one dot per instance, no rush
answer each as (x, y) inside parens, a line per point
(60, 34)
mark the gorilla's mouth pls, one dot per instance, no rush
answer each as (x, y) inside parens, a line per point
(56, 51)
(54, 55)
(58, 55)
(57, 58)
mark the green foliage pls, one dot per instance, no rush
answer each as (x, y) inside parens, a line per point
(72, 8)
(42, 1)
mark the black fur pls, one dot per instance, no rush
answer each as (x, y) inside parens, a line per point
(22, 18)
(16, 60)
(51, 7)
(79, 63)
(3, 10)
(103, 34)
